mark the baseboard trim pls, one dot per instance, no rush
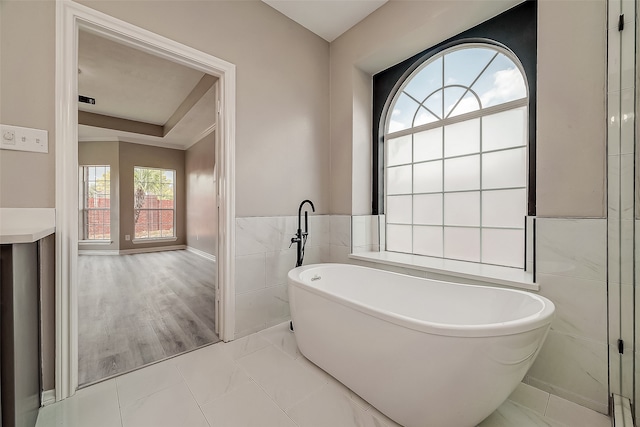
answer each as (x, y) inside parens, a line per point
(48, 397)
(154, 249)
(97, 252)
(202, 253)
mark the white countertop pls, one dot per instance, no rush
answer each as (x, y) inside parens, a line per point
(26, 225)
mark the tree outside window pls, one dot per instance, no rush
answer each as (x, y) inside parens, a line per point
(154, 203)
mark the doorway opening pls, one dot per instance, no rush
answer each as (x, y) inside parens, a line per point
(74, 19)
(149, 219)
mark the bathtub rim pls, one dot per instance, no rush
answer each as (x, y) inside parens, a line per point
(540, 319)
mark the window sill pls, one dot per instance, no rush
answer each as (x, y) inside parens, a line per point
(159, 239)
(502, 276)
(95, 242)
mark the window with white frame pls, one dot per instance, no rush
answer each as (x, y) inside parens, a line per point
(95, 194)
(456, 158)
(154, 203)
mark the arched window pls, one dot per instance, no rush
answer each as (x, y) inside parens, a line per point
(455, 165)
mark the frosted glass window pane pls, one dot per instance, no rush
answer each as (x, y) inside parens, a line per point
(462, 173)
(504, 169)
(504, 208)
(399, 180)
(399, 209)
(427, 241)
(399, 150)
(427, 145)
(398, 238)
(503, 247)
(426, 80)
(427, 209)
(427, 177)
(462, 243)
(462, 138)
(504, 130)
(402, 113)
(501, 82)
(462, 209)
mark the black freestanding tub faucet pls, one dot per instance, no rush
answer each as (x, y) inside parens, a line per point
(300, 239)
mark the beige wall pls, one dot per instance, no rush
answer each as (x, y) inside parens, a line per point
(27, 74)
(104, 153)
(571, 95)
(571, 109)
(282, 94)
(132, 155)
(202, 210)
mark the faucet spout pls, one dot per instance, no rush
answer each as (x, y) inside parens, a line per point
(313, 209)
(300, 238)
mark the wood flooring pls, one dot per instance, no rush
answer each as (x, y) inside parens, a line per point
(137, 309)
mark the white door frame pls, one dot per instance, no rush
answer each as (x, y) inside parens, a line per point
(70, 17)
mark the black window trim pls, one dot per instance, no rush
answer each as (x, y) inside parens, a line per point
(514, 30)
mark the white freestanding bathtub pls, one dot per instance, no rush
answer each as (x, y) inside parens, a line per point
(423, 352)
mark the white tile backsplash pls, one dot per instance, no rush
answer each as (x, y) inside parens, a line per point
(572, 247)
(278, 265)
(250, 272)
(573, 368)
(341, 230)
(264, 258)
(581, 305)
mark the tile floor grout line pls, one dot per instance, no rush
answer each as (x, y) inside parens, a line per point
(184, 379)
(546, 406)
(119, 405)
(271, 398)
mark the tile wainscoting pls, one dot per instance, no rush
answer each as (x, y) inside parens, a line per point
(571, 271)
(264, 257)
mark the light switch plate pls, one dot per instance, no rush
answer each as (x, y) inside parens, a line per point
(24, 139)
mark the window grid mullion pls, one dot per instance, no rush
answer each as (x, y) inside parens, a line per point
(511, 105)
(443, 163)
(413, 249)
(481, 187)
(497, 150)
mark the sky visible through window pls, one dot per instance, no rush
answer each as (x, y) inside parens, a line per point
(459, 82)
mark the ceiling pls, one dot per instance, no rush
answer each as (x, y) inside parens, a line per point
(142, 98)
(327, 18)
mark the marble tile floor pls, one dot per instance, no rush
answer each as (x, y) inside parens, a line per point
(262, 380)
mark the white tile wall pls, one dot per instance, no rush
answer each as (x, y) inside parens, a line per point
(581, 305)
(365, 233)
(572, 247)
(571, 269)
(263, 259)
(573, 368)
